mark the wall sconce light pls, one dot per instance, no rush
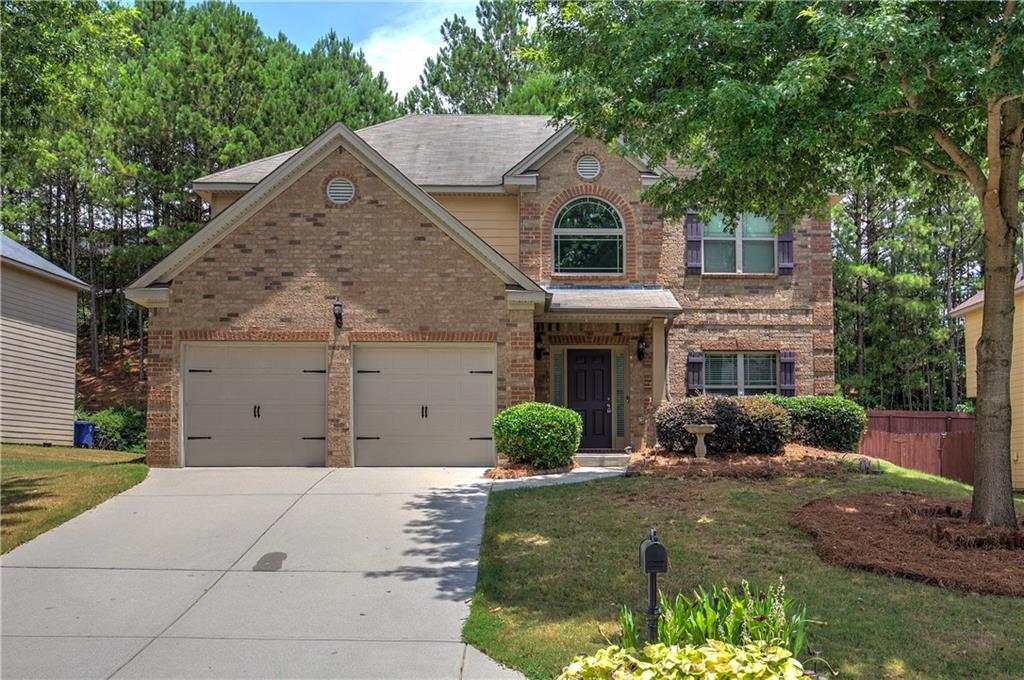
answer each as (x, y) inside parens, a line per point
(338, 312)
(641, 348)
(538, 347)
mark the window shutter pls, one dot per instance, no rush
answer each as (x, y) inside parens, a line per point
(694, 235)
(787, 374)
(784, 245)
(695, 373)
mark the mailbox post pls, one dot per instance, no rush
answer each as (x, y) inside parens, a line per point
(653, 561)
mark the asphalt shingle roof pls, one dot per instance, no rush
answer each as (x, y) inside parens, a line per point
(458, 150)
(979, 297)
(16, 253)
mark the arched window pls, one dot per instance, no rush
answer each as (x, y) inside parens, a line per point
(588, 238)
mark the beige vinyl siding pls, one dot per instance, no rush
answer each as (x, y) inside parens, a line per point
(495, 219)
(37, 359)
(972, 331)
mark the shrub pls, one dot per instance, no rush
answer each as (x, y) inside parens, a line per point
(711, 660)
(120, 428)
(543, 435)
(751, 426)
(831, 423)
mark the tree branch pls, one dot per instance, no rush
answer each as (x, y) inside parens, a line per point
(934, 167)
(971, 170)
(993, 57)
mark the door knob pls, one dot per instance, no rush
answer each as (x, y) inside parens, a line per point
(608, 406)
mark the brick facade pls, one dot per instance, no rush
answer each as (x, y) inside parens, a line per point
(274, 278)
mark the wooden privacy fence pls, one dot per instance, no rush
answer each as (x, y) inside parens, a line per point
(937, 442)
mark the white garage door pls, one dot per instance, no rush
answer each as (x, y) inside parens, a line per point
(424, 405)
(254, 405)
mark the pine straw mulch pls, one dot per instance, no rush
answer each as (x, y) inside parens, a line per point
(118, 383)
(917, 536)
(520, 470)
(796, 461)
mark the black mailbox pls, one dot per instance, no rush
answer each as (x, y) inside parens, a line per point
(653, 555)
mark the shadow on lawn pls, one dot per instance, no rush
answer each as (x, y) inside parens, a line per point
(19, 495)
(447, 533)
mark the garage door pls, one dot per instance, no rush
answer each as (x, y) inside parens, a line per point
(424, 405)
(254, 405)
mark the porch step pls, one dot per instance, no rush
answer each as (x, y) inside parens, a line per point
(605, 459)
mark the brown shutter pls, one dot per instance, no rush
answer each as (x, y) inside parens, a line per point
(787, 374)
(694, 236)
(784, 249)
(695, 373)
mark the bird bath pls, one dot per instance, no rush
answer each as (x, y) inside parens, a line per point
(700, 429)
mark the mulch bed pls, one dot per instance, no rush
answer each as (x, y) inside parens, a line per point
(797, 461)
(917, 536)
(518, 471)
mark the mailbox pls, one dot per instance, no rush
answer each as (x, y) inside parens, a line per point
(653, 555)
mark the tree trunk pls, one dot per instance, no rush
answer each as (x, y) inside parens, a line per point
(93, 339)
(993, 486)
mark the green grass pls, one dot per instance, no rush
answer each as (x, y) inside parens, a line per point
(42, 487)
(558, 562)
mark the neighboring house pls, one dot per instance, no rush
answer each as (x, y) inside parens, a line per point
(970, 310)
(476, 261)
(38, 322)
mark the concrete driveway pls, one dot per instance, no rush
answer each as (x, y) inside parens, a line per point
(253, 573)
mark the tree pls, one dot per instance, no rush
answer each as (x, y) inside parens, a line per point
(484, 71)
(775, 102)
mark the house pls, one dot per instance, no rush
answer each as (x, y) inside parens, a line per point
(374, 297)
(970, 310)
(38, 323)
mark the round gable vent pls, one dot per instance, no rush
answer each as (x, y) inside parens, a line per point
(340, 190)
(588, 167)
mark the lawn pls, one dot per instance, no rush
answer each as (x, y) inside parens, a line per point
(558, 562)
(42, 487)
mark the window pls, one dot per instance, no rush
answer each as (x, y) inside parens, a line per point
(749, 249)
(588, 238)
(745, 373)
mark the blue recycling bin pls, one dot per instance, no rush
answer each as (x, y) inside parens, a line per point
(84, 433)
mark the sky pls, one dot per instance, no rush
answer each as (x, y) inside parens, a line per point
(397, 37)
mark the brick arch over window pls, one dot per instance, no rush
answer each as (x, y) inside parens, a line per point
(629, 240)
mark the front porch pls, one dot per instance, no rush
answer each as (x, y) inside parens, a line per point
(602, 353)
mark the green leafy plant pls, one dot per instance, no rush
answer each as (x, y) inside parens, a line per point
(713, 659)
(119, 428)
(543, 435)
(827, 422)
(751, 426)
(737, 617)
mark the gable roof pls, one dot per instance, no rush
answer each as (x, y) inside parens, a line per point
(978, 299)
(15, 254)
(469, 150)
(284, 175)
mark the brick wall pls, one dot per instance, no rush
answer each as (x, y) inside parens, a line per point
(273, 279)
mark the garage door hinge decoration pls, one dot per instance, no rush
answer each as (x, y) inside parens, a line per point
(191, 438)
(361, 438)
(487, 439)
(483, 372)
(200, 370)
(314, 370)
(366, 371)
(318, 438)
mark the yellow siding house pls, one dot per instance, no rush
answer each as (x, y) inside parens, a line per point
(971, 312)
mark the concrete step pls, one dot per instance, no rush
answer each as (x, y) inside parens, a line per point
(602, 459)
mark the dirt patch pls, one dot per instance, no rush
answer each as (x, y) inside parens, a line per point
(517, 471)
(917, 536)
(796, 461)
(118, 382)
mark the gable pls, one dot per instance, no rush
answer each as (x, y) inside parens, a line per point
(268, 189)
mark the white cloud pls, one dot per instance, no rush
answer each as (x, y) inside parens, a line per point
(400, 48)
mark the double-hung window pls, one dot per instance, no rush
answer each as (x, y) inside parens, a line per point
(588, 238)
(749, 248)
(744, 373)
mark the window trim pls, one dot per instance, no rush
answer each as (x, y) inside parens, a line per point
(620, 232)
(740, 377)
(738, 238)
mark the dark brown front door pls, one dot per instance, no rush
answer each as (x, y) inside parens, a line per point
(590, 395)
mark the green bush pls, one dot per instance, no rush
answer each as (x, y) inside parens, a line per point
(543, 435)
(751, 426)
(120, 428)
(832, 423)
(663, 662)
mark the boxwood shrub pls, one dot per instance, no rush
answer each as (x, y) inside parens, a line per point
(832, 423)
(543, 435)
(751, 426)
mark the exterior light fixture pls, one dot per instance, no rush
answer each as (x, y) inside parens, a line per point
(338, 312)
(538, 347)
(641, 348)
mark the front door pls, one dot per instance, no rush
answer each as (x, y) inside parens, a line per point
(590, 395)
